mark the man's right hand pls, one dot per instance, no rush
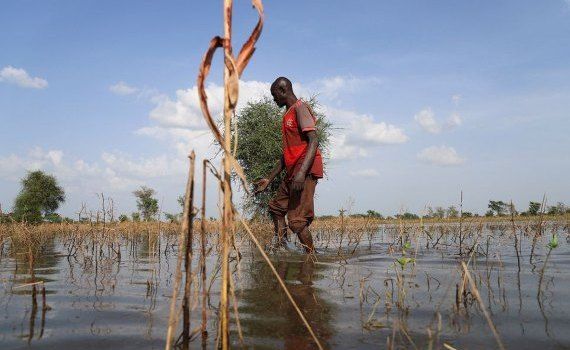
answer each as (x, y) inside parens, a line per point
(261, 185)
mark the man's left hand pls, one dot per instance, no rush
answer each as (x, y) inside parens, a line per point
(298, 182)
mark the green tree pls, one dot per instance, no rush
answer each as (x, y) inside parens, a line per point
(172, 218)
(452, 212)
(533, 208)
(260, 145)
(180, 201)
(136, 217)
(497, 207)
(53, 217)
(123, 218)
(146, 203)
(39, 197)
(407, 216)
(557, 209)
(373, 214)
(438, 213)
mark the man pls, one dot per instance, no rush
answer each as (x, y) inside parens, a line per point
(303, 163)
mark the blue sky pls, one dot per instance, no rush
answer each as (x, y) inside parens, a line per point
(430, 98)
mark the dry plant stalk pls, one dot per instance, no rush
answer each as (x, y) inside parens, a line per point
(187, 226)
(232, 71)
(203, 252)
(482, 305)
(182, 243)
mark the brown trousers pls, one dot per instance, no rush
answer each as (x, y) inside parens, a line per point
(297, 205)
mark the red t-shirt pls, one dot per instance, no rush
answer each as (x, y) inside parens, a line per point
(296, 142)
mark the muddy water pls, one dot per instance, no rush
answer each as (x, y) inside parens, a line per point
(352, 300)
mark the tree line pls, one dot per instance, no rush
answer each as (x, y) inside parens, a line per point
(495, 209)
(41, 196)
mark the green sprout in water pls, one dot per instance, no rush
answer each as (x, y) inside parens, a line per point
(405, 247)
(551, 245)
(553, 242)
(403, 261)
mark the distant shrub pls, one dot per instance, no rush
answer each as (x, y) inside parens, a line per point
(39, 197)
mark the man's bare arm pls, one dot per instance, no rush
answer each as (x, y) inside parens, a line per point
(277, 170)
(262, 184)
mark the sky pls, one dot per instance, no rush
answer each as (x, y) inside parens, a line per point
(428, 99)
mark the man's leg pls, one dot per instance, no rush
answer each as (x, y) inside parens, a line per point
(278, 209)
(280, 228)
(306, 239)
(301, 213)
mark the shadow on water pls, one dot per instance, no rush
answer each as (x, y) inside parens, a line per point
(267, 315)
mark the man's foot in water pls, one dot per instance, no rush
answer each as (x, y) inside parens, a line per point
(278, 245)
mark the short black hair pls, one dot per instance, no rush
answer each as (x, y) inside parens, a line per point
(283, 83)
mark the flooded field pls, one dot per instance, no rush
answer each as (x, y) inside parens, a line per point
(381, 286)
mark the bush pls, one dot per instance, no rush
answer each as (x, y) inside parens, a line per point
(260, 145)
(39, 197)
(172, 218)
(54, 218)
(146, 203)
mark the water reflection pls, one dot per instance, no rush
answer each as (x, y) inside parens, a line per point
(267, 315)
(114, 292)
(31, 268)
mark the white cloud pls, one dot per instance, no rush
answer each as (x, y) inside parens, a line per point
(179, 120)
(143, 168)
(116, 171)
(184, 111)
(454, 121)
(341, 149)
(20, 77)
(334, 87)
(367, 130)
(55, 156)
(457, 98)
(440, 155)
(123, 89)
(365, 173)
(358, 133)
(425, 118)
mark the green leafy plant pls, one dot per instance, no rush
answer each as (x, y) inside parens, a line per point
(553, 242)
(260, 145)
(146, 203)
(404, 261)
(39, 197)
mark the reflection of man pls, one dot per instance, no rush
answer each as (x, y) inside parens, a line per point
(316, 312)
(303, 163)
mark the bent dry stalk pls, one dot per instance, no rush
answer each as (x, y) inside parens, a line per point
(232, 70)
(182, 243)
(475, 293)
(187, 225)
(203, 254)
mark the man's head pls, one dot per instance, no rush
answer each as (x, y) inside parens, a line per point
(282, 90)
